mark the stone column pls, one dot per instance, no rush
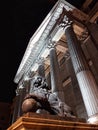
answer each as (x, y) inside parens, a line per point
(84, 76)
(56, 82)
(15, 111)
(20, 93)
(41, 72)
(41, 68)
(26, 84)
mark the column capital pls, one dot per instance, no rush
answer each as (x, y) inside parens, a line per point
(17, 92)
(40, 60)
(19, 88)
(51, 44)
(66, 22)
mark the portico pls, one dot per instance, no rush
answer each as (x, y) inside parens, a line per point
(58, 35)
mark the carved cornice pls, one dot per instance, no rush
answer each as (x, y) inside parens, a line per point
(34, 49)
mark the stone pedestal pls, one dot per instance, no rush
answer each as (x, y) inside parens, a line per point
(33, 121)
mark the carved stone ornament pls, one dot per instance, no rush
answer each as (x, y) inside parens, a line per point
(66, 22)
(51, 44)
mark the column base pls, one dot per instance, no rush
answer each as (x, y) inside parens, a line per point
(93, 119)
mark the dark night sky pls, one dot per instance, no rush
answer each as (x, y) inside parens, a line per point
(19, 21)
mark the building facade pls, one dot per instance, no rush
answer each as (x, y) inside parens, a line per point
(64, 49)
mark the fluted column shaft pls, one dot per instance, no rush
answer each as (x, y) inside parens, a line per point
(56, 82)
(84, 76)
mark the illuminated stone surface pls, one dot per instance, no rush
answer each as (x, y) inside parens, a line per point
(32, 121)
